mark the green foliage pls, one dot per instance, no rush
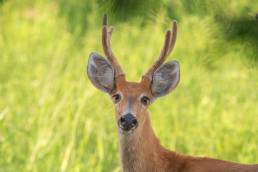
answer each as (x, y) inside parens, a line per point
(53, 119)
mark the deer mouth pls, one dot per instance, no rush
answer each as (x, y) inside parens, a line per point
(123, 130)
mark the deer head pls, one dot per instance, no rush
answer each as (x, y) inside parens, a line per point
(132, 99)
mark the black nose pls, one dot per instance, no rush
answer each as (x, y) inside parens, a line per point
(127, 122)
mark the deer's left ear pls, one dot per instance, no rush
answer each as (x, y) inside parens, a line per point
(165, 78)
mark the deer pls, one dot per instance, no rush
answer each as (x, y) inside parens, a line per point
(140, 149)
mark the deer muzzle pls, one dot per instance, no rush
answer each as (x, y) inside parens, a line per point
(127, 122)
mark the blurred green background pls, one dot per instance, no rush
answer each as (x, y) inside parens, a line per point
(53, 119)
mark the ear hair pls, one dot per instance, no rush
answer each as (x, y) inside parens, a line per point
(100, 73)
(165, 78)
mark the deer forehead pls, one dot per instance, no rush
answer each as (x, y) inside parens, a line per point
(133, 89)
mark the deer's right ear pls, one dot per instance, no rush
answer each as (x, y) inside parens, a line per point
(101, 73)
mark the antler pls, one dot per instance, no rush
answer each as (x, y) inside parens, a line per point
(168, 46)
(106, 36)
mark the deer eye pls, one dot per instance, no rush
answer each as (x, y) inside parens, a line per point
(116, 98)
(145, 100)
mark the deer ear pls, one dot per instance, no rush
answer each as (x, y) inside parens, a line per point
(165, 78)
(101, 73)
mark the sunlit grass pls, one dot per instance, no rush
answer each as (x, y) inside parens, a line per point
(53, 119)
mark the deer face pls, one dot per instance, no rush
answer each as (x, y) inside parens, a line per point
(130, 99)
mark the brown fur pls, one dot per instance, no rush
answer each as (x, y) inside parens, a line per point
(141, 150)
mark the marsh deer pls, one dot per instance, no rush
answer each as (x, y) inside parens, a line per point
(140, 148)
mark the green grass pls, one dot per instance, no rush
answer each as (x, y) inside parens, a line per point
(53, 119)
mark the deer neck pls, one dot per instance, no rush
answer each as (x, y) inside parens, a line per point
(141, 150)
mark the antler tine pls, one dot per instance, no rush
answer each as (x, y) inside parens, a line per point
(168, 46)
(173, 38)
(106, 37)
